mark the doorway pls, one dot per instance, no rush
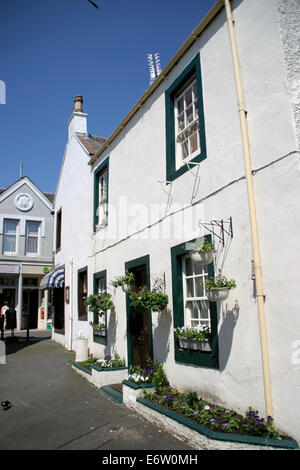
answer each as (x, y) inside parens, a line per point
(30, 303)
(139, 323)
(59, 310)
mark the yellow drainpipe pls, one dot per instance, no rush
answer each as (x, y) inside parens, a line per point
(252, 212)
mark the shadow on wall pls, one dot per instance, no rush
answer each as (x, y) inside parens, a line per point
(111, 339)
(161, 334)
(228, 320)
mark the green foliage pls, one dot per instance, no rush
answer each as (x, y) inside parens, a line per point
(97, 326)
(200, 333)
(121, 280)
(206, 246)
(219, 282)
(149, 300)
(99, 303)
(111, 361)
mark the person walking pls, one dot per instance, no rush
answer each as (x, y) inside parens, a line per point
(3, 314)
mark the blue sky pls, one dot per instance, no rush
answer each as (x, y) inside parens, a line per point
(52, 50)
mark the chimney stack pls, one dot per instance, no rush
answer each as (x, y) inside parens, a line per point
(78, 121)
(78, 101)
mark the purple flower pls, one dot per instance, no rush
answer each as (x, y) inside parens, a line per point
(227, 411)
(196, 412)
(225, 425)
(207, 407)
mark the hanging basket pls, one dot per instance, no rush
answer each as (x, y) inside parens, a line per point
(217, 295)
(127, 288)
(204, 257)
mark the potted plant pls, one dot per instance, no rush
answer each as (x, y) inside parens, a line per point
(204, 255)
(126, 282)
(99, 329)
(218, 289)
(149, 300)
(197, 339)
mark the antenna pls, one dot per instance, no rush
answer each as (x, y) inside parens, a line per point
(154, 66)
(21, 170)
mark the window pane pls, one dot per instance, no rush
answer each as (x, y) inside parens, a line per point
(188, 97)
(10, 243)
(184, 149)
(194, 138)
(188, 267)
(190, 288)
(32, 228)
(32, 244)
(199, 288)
(10, 227)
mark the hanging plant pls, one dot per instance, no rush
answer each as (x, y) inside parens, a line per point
(149, 300)
(99, 303)
(126, 282)
(204, 255)
(218, 289)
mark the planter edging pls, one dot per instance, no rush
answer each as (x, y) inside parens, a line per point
(135, 386)
(251, 440)
(82, 368)
(106, 369)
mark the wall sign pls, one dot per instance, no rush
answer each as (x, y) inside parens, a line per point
(24, 202)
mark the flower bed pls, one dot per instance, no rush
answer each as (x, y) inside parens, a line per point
(214, 420)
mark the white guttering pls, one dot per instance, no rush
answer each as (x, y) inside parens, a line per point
(166, 70)
(252, 213)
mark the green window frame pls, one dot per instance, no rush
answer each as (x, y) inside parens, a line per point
(103, 167)
(202, 359)
(193, 70)
(99, 275)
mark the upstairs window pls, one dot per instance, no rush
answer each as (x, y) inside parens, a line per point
(102, 201)
(10, 236)
(185, 126)
(101, 177)
(32, 238)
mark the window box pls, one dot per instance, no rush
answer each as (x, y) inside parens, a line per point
(195, 344)
(100, 332)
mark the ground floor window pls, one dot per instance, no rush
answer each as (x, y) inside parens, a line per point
(191, 307)
(196, 305)
(100, 287)
(82, 289)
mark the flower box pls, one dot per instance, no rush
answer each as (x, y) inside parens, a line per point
(100, 332)
(195, 344)
(107, 376)
(201, 437)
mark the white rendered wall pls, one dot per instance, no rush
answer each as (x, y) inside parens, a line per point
(74, 197)
(137, 160)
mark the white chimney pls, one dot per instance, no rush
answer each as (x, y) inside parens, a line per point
(78, 121)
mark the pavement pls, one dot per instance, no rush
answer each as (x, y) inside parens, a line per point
(53, 407)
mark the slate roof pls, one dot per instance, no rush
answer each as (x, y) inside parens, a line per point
(92, 143)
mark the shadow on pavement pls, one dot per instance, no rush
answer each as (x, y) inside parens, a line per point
(19, 340)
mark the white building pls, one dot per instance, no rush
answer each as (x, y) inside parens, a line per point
(73, 231)
(174, 170)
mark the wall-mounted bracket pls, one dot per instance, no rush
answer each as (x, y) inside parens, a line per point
(220, 224)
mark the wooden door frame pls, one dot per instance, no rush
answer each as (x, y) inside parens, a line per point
(129, 265)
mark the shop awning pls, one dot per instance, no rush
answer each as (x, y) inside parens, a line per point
(54, 279)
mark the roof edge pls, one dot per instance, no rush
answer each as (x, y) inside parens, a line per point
(213, 12)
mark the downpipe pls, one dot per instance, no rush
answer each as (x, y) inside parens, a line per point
(252, 214)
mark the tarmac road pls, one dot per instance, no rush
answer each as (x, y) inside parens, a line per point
(53, 407)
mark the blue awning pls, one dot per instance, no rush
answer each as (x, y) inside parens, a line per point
(54, 279)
